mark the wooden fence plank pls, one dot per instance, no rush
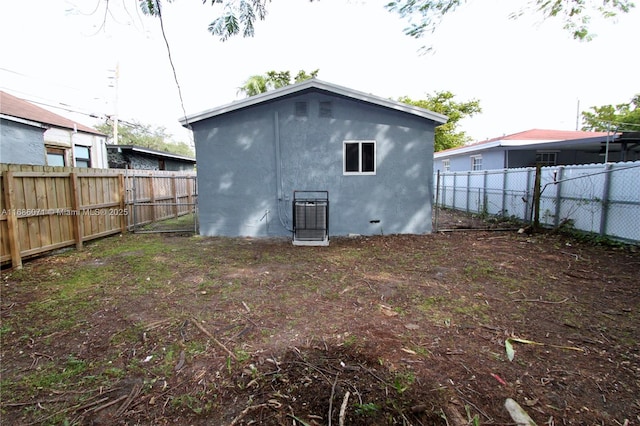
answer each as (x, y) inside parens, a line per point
(77, 225)
(12, 220)
(55, 207)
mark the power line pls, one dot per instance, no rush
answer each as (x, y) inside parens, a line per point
(175, 75)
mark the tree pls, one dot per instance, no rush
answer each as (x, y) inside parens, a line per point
(257, 84)
(447, 135)
(143, 135)
(621, 117)
(239, 16)
(575, 14)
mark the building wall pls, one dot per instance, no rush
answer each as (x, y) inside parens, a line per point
(21, 144)
(67, 139)
(251, 161)
(127, 159)
(459, 163)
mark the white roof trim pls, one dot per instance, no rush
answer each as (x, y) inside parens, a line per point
(150, 151)
(533, 143)
(24, 121)
(317, 84)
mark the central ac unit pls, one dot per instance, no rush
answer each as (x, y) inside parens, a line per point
(311, 218)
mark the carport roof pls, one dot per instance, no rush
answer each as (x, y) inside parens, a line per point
(318, 85)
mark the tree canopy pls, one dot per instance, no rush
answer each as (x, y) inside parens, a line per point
(261, 83)
(425, 15)
(239, 16)
(447, 135)
(145, 136)
(621, 117)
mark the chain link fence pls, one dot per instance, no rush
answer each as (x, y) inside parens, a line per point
(600, 199)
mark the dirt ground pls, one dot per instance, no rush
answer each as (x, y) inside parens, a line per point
(400, 329)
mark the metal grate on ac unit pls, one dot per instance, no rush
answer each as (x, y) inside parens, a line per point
(311, 218)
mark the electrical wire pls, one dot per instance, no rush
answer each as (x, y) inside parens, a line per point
(175, 75)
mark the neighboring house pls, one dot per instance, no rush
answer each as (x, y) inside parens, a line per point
(372, 156)
(137, 157)
(33, 135)
(531, 147)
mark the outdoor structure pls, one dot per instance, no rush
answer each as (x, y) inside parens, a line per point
(33, 135)
(545, 147)
(140, 158)
(372, 158)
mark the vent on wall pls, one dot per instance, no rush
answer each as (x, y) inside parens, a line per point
(301, 109)
(311, 218)
(326, 109)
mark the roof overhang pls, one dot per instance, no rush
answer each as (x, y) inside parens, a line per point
(24, 121)
(152, 152)
(317, 85)
(591, 143)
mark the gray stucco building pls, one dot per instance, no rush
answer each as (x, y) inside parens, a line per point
(372, 156)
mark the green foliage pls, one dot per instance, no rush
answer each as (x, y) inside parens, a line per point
(625, 116)
(447, 135)
(367, 409)
(145, 136)
(425, 15)
(262, 83)
(239, 16)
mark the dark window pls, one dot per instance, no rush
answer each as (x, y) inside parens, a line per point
(546, 158)
(359, 157)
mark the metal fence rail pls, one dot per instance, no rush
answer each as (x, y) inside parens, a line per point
(602, 199)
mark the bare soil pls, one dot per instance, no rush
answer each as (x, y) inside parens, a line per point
(399, 329)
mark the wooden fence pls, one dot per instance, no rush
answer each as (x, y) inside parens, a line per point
(48, 208)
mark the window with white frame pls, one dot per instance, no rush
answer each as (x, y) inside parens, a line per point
(82, 156)
(359, 157)
(446, 165)
(55, 157)
(476, 162)
(547, 158)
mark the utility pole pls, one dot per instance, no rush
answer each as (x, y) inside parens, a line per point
(578, 116)
(115, 107)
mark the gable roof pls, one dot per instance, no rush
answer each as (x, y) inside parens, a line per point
(319, 85)
(526, 138)
(19, 108)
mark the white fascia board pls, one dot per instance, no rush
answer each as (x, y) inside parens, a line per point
(24, 121)
(466, 149)
(162, 154)
(321, 85)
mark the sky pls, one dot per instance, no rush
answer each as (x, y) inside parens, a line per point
(527, 73)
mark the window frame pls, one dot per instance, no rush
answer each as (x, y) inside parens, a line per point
(446, 165)
(476, 162)
(360, 144)
(77, 158)
(543, 153)
(56, 151)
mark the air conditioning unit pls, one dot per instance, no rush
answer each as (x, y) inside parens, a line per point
(311, 218)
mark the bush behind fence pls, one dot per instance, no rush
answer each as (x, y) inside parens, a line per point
(602, 199)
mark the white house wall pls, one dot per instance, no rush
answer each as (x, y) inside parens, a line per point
(67, 138)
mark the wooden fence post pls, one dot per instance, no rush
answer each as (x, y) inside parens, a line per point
(152, 195)
(175, 195)
(123, 206)
(76, 214)
(12, 220)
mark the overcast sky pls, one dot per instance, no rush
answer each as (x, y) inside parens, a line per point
(527, 73)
